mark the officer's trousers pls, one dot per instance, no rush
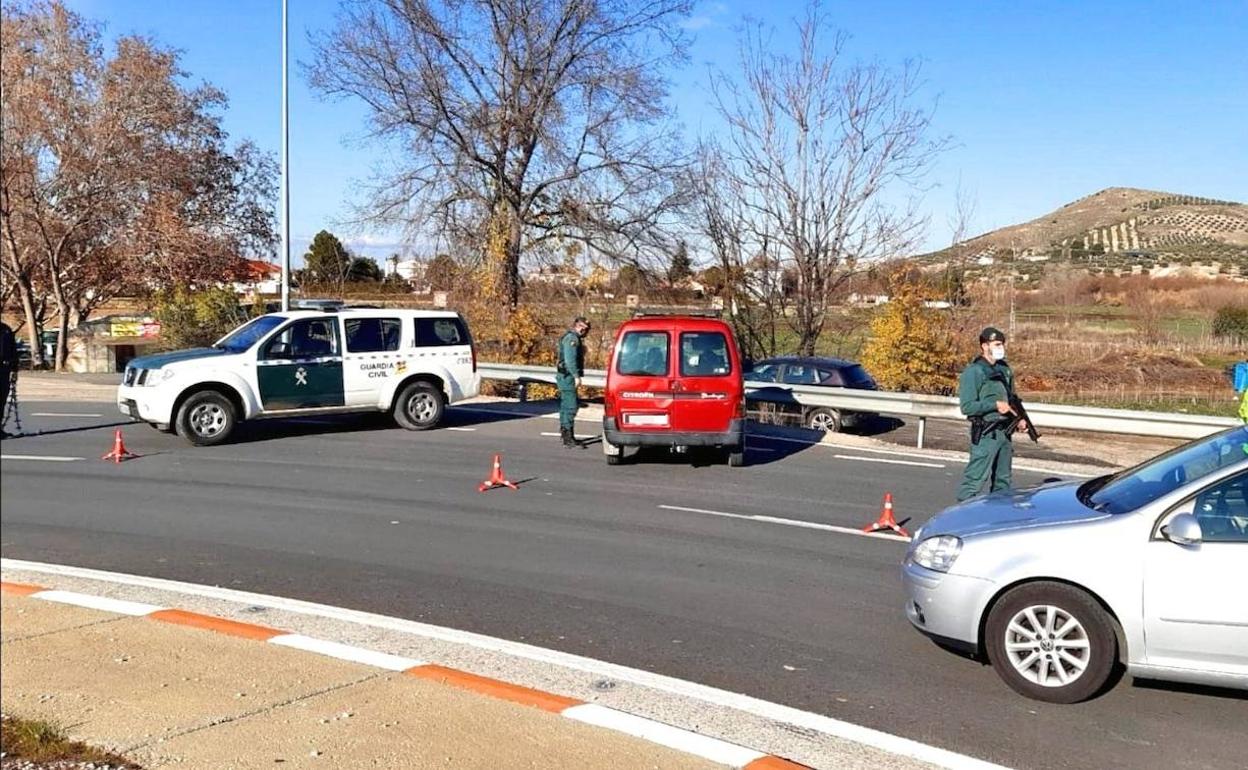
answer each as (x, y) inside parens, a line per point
(568, 404)
(991, 460)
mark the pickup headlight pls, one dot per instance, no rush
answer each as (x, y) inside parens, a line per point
(937, 553)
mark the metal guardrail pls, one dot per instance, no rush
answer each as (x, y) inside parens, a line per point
(1063, 416)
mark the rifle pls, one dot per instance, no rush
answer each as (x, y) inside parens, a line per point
(1020, 411)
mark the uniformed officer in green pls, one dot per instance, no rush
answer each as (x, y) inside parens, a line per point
(569, 369)
(984, 389)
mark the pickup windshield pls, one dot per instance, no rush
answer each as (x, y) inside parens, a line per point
(242, 338)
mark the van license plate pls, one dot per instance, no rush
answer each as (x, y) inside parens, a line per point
(646, 419)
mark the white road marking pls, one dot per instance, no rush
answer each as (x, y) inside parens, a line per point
(347, 652)
(885, 460)
(120, 606)
(520, 413)
(42, 458)
(903, 453)
(665, 735)
(789, 523)
(462, 430)
(597, 668)
(64, 414)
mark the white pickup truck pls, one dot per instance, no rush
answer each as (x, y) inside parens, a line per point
(411, 363)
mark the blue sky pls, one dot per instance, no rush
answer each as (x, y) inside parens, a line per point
(1045, 101)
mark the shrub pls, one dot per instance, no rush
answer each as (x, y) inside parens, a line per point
(1231, 321)
(190, 318)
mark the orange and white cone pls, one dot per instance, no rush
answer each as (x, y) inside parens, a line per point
(497, 479)
(119, 452)
(886, 520)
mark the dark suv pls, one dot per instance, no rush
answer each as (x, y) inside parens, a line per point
(825, 372)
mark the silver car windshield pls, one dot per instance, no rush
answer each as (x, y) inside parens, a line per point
(1136, 487)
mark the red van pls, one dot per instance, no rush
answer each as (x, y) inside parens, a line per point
(674, 381)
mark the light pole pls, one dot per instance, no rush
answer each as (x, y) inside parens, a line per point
(285, 173)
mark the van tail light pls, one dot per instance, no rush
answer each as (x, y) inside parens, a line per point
(608, 406)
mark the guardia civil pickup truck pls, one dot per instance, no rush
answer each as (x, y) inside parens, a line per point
(411, 363)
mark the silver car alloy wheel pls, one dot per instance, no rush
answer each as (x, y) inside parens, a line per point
(207, 420)
(1047, 646)
(422, 407)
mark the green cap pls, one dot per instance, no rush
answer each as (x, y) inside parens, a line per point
(992, 334)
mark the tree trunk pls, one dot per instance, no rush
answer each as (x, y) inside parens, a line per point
(62, 339)
(34, 325)
(511, 263)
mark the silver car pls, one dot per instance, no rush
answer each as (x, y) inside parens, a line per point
(1060, 585)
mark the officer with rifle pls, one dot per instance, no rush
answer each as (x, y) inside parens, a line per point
(987, 398)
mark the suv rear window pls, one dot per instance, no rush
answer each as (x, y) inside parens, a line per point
(441, 332)
(643, 354)
(704, 354)
(372, 335)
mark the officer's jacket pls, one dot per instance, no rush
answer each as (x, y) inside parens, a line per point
(571, 355)
(978, 394)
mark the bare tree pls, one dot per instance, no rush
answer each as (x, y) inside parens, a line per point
(116, 178)
(516, 124)
(815, 150)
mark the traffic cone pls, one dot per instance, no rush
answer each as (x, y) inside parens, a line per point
(119, 452)
(497, 479)
(886, 520)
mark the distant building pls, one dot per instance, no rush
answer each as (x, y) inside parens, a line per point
(254, 276)
(107, 344)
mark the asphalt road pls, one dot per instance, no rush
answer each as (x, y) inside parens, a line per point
(351, 512)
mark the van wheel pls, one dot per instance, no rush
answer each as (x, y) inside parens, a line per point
(420, 406)
(824, 419)
(1051, 642)
(614, 454)
(206, 418)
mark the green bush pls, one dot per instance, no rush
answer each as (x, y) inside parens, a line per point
(1231, 321)
(196, 318)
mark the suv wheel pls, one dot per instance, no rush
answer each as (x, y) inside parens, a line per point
(1051, 642)
(420, 406)
(824, 419)
(206, 418)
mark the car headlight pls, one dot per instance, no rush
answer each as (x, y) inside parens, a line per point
(937, 553)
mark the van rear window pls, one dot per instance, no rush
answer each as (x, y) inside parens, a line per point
(643, 354)
(440, 332)
(704, 354)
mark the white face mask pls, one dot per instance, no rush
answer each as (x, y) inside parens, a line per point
(996, 352)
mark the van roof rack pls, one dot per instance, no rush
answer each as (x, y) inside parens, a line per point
(695, 312)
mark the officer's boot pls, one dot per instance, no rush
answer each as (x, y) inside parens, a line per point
(566, 435)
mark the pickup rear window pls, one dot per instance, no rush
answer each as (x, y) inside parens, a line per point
(643, 354)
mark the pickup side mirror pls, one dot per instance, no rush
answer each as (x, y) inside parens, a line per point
(1183, 529)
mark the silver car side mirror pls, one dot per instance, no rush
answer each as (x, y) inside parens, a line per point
(1183, 529)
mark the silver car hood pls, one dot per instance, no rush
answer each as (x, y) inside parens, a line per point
(1044, 506)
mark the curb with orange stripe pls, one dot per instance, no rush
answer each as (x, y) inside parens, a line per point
(712, 749)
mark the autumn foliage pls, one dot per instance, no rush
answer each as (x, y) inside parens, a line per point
(911, 347)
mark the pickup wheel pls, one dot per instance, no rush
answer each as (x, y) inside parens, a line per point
(206, 418)
(419, 406)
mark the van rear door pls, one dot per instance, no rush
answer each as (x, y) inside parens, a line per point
(642, 387)
(708, 382)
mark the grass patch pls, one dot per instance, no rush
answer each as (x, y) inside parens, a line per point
(1177, 404)
(41, 741)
